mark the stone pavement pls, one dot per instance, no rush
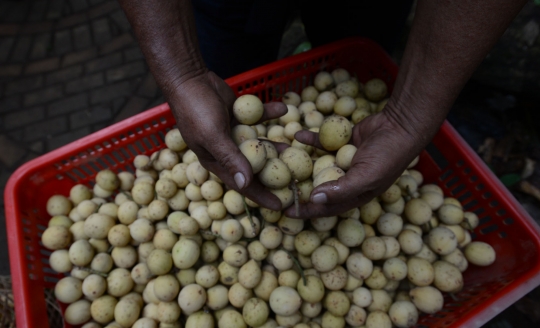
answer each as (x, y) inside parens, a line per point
(67, 68)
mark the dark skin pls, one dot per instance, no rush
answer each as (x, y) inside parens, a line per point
(447, 42)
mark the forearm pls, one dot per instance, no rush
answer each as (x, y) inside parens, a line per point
(167, 36)
(448, 40)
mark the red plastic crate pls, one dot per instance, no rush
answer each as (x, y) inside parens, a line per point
(448, 162)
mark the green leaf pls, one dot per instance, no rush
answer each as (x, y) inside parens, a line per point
(510, 179)
(304, 46)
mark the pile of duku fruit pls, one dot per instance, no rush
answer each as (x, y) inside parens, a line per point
(171, 246)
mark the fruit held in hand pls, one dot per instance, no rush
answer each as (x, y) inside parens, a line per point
(248, 109)
(335, 132)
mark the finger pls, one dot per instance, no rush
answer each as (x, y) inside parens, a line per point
(230, 158)
(273, 110)
(352, 187)
(308, 138)
(258, 193)
(280, 146)
(254, 191)
(310, 210)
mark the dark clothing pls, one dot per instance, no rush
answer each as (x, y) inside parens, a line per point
(238, 35)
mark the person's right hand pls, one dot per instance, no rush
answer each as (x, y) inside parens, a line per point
(202, 106)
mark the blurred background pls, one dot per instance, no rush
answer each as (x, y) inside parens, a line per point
(69, 68)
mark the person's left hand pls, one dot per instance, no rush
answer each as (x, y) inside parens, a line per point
(385, 149)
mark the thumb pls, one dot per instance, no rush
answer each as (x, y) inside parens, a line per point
(230, 158)
(358, 184)
(339, 191)
(309, 138)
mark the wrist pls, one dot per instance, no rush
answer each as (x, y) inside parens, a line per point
(415, 130)
(167, 36)
(422, 95)
(178, 78)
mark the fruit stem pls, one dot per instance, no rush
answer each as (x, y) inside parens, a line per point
(127, 195)
(92, 271)
(209, 233)
(296, 201)
(150, 163)
(468, 224)
(248, 213)
(299, 267)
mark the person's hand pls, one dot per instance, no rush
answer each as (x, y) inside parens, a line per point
(385, 149)
(202, 106)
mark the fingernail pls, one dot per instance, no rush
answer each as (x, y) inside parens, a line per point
(240, 180)
(319, 198)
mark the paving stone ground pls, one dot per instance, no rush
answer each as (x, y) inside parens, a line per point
(67, 68)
